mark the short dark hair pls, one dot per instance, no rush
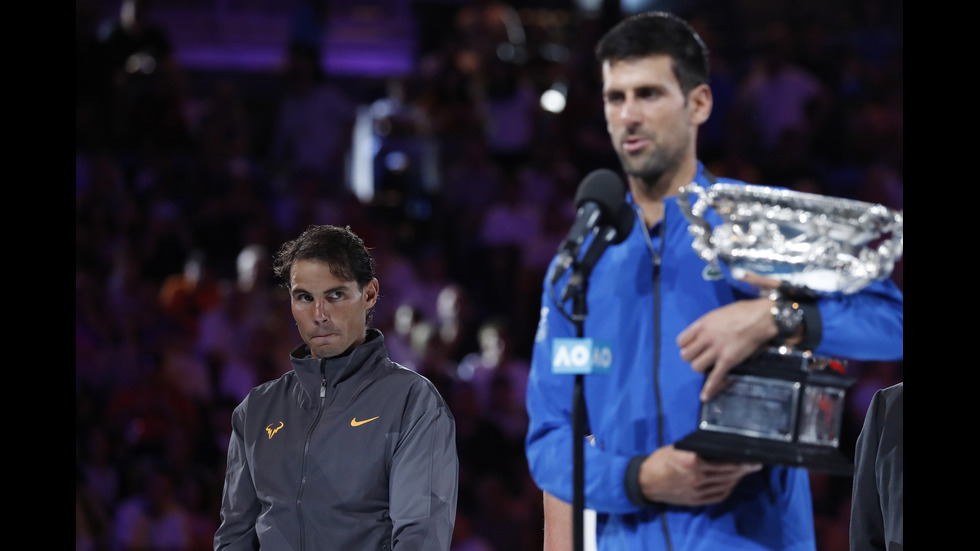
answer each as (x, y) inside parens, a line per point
(658, 33)
(341, 248)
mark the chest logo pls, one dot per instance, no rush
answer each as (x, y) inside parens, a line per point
(273, 431)
(711, 273)
(355, 423)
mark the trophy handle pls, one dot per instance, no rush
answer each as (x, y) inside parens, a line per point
(880, 261)
(699, 227)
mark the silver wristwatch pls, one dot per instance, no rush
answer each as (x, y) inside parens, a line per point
(787, 315)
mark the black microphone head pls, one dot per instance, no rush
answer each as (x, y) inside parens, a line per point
(605, 188)
(623, 222)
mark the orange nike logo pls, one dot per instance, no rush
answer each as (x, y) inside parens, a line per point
(355, 423)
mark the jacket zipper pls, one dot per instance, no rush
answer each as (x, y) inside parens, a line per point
(306, 453)
(656, 259)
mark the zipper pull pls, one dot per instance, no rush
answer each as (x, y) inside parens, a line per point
(323, 378)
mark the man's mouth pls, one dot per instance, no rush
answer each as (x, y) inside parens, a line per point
(634, 143)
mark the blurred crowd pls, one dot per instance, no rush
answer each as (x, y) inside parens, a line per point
(184, 190)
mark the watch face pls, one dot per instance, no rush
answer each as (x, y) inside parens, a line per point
(787, 316)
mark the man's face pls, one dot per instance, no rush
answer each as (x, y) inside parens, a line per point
(331, 314)
(647, 117)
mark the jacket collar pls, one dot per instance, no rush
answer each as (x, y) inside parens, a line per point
(313, 371)
(702, 177)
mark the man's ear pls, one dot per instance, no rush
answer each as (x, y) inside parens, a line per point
(371, 292)
(701, 102)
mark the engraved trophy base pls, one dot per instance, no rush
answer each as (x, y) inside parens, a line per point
(781, 407)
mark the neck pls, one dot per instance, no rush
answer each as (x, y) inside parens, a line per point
(649, 195)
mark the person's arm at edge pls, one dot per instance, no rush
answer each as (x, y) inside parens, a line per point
(239, 503)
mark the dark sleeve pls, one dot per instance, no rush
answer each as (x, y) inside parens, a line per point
(877, 491)
(812, 325)
(239, 503)
(424, 481)
(631, 481)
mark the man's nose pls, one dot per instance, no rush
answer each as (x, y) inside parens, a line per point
(628, 111)
(321, 310)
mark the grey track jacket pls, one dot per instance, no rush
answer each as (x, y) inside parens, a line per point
(346, 453)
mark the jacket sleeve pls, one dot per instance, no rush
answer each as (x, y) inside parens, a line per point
(424, 478)
(548, 444)
(877, 493)
(239, 504)
(866, 325)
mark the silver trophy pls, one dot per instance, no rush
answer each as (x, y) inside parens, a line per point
(786, 406)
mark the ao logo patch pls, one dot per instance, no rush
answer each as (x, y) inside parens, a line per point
(580, 356)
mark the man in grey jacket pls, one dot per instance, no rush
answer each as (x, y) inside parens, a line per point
(348, 450)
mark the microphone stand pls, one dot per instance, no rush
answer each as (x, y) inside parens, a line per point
(576, 288)
(579, 311)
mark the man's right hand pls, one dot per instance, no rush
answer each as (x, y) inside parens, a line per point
(680, 477)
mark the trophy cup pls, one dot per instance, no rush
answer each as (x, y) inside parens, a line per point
(784, 406)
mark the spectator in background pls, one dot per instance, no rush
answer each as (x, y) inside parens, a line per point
(187, 295)
(508, 224)
(472, 182)
(223, 137)
(399, 339)
(778, 101)
(499, 378)
(185, 368)
(152, 518)
(314, 123)
(457, 316)
(431, 278)
(254, 286)
(139, 87)
(143, 414)
(508, 103)
(432, 354)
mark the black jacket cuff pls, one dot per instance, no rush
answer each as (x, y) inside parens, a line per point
(631, 481)
(812, 326)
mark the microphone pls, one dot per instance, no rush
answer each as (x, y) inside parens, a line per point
(613, 234)
(599, 199)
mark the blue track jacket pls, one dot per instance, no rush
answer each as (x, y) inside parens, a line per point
(649, 386)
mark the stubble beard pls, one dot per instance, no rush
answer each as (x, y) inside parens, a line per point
(654, 168)
(647, 168)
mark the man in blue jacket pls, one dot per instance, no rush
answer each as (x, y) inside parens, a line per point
(669, 321)
(349, 450)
